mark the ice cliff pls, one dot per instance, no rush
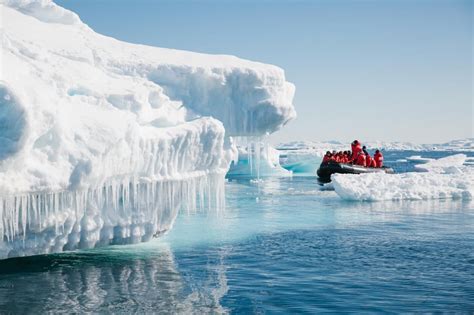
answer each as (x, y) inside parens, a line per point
(89, 125)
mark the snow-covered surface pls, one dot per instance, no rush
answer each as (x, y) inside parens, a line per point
(75, 102)
(418, 158)
(445, 178)
(80, 111)
(449, 164)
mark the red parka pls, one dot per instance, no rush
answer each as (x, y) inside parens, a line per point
(356, 148)
(378, 157)
(361, 159)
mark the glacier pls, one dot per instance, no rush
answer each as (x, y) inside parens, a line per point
(103, 141)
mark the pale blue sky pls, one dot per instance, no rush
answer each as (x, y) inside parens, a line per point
(374, 70)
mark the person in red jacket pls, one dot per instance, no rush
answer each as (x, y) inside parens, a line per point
(340, 157)
(372, 163)
(327, 157)
(368, 159)
(345, 157)
(356, 148)
(378, 157)
(361, 159)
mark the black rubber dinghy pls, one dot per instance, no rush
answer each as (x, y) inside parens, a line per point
(327, 169)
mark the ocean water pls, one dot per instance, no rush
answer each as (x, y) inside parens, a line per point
(281, 246)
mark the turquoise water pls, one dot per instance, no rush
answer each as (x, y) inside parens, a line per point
(282, 246)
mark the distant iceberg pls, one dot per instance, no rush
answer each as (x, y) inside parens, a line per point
(84, 116)
(319, 147)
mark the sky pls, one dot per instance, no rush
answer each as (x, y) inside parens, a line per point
(373, 70)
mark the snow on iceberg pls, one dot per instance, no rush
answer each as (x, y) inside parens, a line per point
(444, 178)
(80, 112)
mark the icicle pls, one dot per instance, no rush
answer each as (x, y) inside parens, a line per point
(130, 210)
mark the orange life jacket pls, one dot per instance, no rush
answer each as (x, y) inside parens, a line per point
(378, 157)
(361, 160)
(368, 160)
(355, 151)
(373, 163)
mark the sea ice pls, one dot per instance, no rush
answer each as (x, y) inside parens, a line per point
(444, 178)
(448, 164)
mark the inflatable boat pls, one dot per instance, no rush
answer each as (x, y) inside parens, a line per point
(327, 169)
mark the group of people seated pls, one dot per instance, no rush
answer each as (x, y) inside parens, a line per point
(358, 156)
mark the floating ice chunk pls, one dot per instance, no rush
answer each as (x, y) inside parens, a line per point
(301, 161)
(418, 158)
(256, 159)
(413, 186)
(449, 164)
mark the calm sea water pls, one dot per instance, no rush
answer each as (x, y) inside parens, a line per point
(282, 246)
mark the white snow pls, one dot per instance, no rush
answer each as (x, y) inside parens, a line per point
(418, 158)
(444, 178)
(80, 112)
(448, 164)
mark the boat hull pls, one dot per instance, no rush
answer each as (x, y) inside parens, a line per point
(327, 169)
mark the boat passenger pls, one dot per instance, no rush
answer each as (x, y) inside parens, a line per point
(378, 157)
(364, 149)
(327, 157)
(368, 158)
(345, 158)
(340, 157)
(355, 146)
(369, 161)
(361, 159)
(373, 163)
(348, 156)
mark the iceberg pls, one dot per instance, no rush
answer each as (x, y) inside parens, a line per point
(304, 157)
(103, 141)
(444, 178)
(256, 159)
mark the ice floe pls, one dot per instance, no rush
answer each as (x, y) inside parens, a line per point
(444, 178)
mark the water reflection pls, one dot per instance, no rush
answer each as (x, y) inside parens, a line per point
(130, 280)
